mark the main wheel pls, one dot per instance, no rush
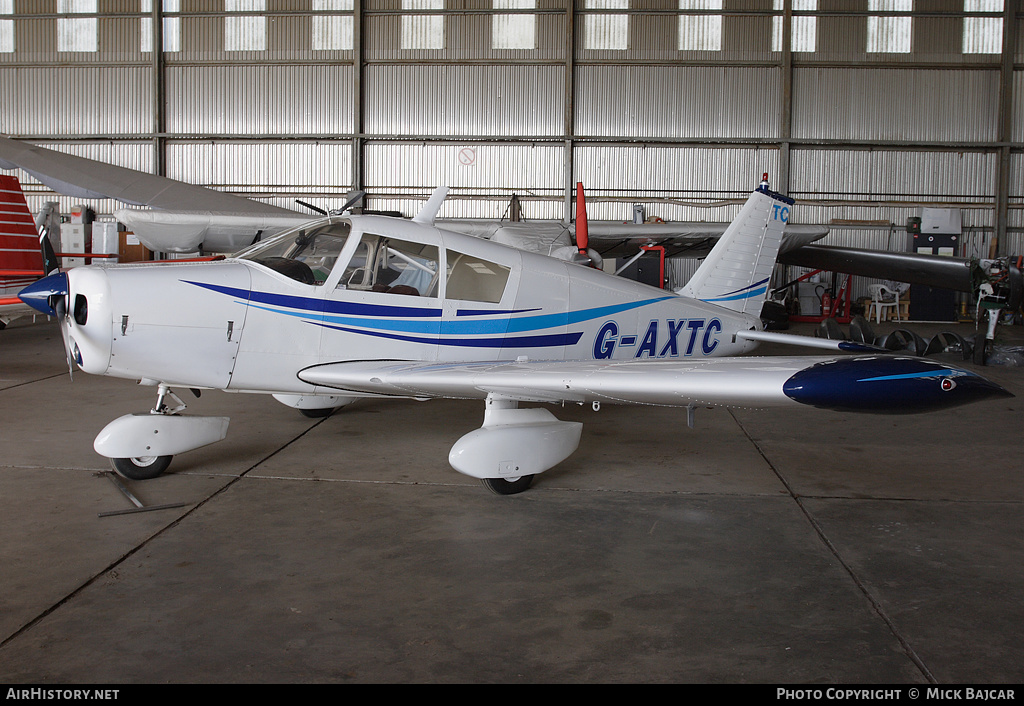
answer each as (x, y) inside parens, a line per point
(316, 412)
(141, 467)
(507, 486)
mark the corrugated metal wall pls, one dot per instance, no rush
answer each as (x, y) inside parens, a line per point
(653, 102)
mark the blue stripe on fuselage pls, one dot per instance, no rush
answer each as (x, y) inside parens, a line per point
(744, 293)
(352, 317)
(537, 341)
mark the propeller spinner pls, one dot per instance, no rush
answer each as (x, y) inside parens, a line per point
(48, 295)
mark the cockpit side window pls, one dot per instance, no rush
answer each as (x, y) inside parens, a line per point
(306, 255)
(406, 268)
(473, 279)
(393, 266)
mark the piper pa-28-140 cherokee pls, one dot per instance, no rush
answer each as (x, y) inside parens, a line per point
(366, 306)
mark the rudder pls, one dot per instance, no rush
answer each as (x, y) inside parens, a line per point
(20, 259)
(736, 273)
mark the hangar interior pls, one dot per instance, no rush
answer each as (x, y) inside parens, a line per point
(864, 112)
(869, 113)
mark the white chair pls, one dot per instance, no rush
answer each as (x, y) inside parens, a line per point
(883, 298)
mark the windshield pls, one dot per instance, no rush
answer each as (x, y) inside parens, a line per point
(306, 254)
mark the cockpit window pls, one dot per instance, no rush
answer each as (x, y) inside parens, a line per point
(306, 255)
(393, 266)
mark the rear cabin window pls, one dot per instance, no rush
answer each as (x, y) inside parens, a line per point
(473, 279)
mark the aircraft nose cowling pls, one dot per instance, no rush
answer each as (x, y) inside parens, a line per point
(38, 294)
(883, 384)
(89, 324)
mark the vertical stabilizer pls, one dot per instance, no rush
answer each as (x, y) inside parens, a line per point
(736, 273)
(21, 262)
(20, 259)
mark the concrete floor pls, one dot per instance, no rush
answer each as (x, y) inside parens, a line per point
(764, 546)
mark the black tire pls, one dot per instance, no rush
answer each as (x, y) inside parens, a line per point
(501, 486)
(142, 468)
(317, 413)
(979, 355)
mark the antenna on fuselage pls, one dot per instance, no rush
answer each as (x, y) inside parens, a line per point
(429, 211)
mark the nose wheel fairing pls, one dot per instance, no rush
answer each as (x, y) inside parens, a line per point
(147, 435)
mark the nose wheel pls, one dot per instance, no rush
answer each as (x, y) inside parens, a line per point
(141, 467)
(507, 486)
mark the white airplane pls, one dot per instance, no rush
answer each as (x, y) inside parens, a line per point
(184, 218)
(367, 306)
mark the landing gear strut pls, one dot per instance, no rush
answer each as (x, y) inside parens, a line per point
(999, 287)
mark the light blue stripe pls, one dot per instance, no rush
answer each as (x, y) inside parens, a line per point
(748, 295)
(464, 327)
(925, 374)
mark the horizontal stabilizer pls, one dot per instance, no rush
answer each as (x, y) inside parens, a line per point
(789, 339)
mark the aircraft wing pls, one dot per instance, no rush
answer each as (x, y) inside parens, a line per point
(704, 381)
(622, 240)
(687, 239)
(185, 215)
(876, 383)
(89, 179)
(913, 268)
(186, 231)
